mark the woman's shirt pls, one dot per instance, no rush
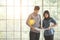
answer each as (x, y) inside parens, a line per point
(46, 24)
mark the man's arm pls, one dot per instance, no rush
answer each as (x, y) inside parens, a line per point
(28, 23)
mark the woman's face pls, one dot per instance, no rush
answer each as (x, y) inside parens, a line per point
(46, 15)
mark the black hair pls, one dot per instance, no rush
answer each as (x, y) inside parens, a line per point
(46, 12)
(36, 8)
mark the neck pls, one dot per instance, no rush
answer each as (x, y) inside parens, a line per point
(35, 14)
(47, 18)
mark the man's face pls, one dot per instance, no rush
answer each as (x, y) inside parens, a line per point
(36, 11)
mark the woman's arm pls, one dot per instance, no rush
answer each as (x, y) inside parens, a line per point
(53, 23)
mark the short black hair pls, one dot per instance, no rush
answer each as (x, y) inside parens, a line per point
(46, 12)
(36, 8)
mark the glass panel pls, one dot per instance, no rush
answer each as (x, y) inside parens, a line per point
(16, 38)
(2, 12)
(2, 38)
(12, 29)
(17, 3)
(53, 2)
(2, 2)
(2, 34)
(9, 38)
(25, 34)
(10, 12)
(24, 26)
(24, 2)
(9, 34)
(30, 3)
(25, 39)
(17, 12)
(58, 2)
(58, 8)
(45, 3)
(10, 2)
(16, 34)
(37, 2)
(56, 37)
(53, 12)
(46, 8)
(24, 12)
(2, 25)
(17, 26)
(10, 25)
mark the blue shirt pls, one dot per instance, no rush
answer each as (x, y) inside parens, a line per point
(46, 24)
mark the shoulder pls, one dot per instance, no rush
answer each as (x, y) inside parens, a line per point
(39, 15)
(30, 15)
(43, 20)
(51, 18)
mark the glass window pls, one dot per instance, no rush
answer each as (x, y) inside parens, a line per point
(14, 13)
(2, 12)
(2, 2)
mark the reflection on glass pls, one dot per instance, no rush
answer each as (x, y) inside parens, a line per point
(2, 2)
(11, 24)
(2, 34)
(9, 34)
(10, 12)
(17, 26)
(2, 25)
(2, 12)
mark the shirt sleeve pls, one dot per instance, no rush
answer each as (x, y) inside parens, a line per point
(53, 21)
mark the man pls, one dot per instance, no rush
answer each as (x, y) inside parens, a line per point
(34, 34)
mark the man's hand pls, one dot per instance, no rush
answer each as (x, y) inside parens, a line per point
(33, 28)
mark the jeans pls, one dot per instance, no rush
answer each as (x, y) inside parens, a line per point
(34, 36)
(50, 37)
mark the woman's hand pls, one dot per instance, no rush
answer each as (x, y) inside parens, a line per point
(49, 28)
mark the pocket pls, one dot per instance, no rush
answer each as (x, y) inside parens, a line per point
(52, 31)
(49, 32)
(46, 32)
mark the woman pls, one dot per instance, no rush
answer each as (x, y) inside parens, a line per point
(49, 31)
